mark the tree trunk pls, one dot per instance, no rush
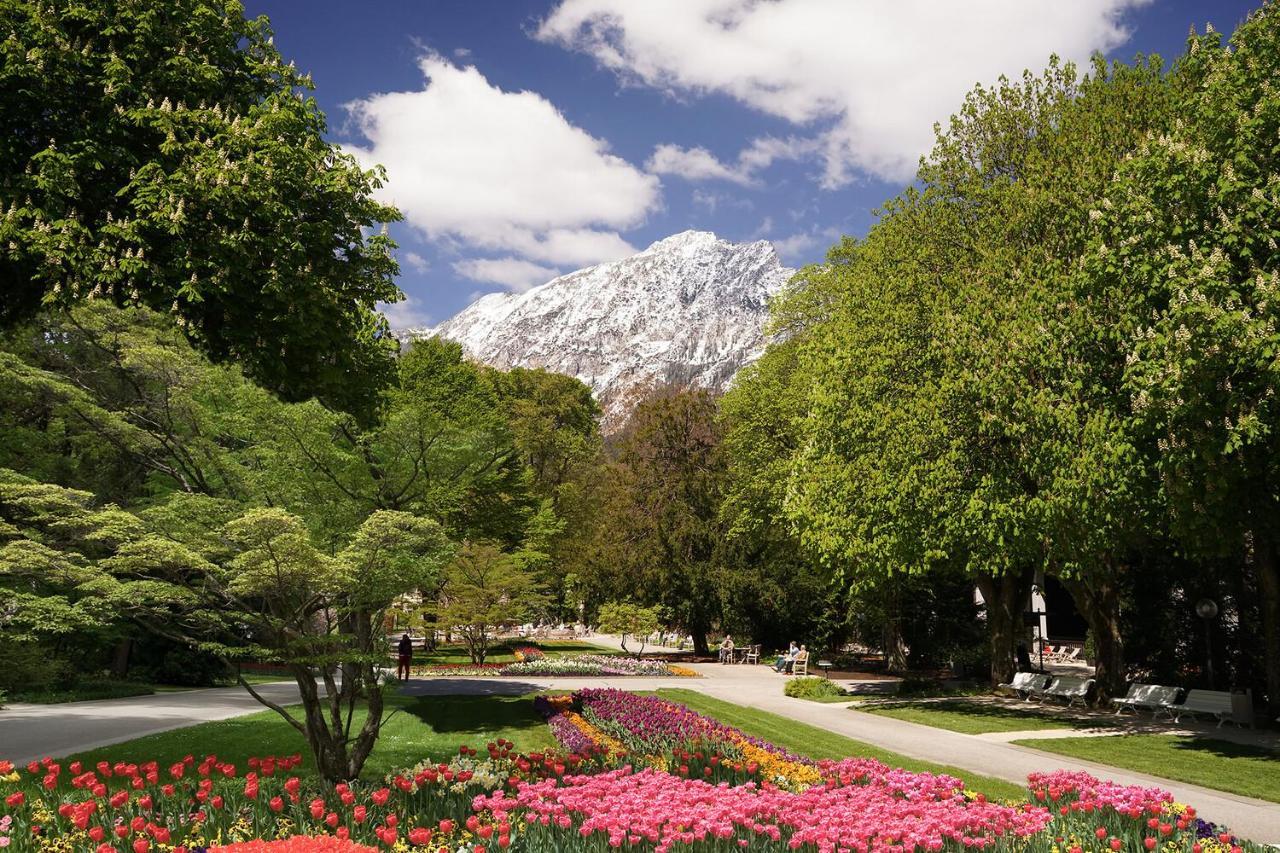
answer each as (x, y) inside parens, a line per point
(895, 654)
(1006, 601)
(700, 646)
(120, 659)
(1098, 600)
(1264, 564)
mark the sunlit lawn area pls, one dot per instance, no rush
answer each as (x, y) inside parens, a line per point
(973, 718)
(503, 653)
(422, 727)
(819, 743)
(1250, 771)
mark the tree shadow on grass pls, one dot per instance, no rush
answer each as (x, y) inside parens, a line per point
(475, 714)
(994, 712)
(1226, 748)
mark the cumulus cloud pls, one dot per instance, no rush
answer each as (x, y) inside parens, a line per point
(416, 262)
(869, 78)
(514, 273)
(699, 164)
(408, 313)
(694, 164)
(479, 167)
(802, 247)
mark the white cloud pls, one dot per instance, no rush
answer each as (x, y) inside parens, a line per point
(870, 78)
(406, 314)
(699, 164)
(514, 273)
(477, 166)
(694, 164)
(800, 247)
(416, 261)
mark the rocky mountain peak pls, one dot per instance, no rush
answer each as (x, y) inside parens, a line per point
(689, 309)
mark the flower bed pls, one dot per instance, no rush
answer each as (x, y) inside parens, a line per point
(657, 728)
(600, 794)
(569, 665)
(527, 653)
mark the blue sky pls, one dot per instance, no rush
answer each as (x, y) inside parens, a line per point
(523, 139)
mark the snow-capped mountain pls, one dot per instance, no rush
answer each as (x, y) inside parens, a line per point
(689, 309)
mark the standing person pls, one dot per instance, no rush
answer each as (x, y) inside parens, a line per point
(405, 653)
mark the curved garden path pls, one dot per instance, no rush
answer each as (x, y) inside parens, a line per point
(30, 731)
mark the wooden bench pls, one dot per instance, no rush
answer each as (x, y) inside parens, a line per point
(800, 666)
(1069, 688)
(1026, 683)
(1149, 697)
(1216, 703)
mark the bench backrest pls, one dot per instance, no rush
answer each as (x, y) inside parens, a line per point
(1165, 695)
(1208, 701)
(1151, 694)
(1067, 685)
(1026, 681)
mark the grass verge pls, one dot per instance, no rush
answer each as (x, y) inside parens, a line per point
(1250, 771)
(974, 718)
(422, 727)
(82, 691)
(818, 743)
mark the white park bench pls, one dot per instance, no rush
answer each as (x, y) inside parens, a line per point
(1214, 703)
(801, 664)
(1026, 684)
(1069, 688)
(1148, 697)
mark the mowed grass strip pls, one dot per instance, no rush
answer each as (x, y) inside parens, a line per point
(1250, 771)
(974, 717)
(818, 743)
(422, 727)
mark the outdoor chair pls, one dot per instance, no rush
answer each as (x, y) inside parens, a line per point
(1148, 697)
(1214, 703)
(752, 655)
(1025, 684)
(801, 664)
(1070, 688)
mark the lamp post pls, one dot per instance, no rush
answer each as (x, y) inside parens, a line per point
(1207, 609)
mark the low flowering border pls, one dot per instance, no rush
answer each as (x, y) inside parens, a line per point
(649, 725)
(528, 663)
(592, 799)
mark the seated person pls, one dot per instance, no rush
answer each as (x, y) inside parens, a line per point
(784, 660)
(726, 650)
(802, 654)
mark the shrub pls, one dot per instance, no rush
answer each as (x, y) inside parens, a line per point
(32, 667)
(190, 667)
(812, 687)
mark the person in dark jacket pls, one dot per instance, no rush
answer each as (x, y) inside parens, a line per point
(405, 650)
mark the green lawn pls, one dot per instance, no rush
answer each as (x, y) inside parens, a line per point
(1249, 771)
(425, 727)
(974, 718)
(502, 653)
(818, 743)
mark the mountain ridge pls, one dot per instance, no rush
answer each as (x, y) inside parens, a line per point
(689, 309)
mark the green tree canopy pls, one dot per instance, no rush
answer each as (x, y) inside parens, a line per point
(167, 155)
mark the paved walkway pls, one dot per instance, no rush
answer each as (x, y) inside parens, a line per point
(30, 731)
(34, 731)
